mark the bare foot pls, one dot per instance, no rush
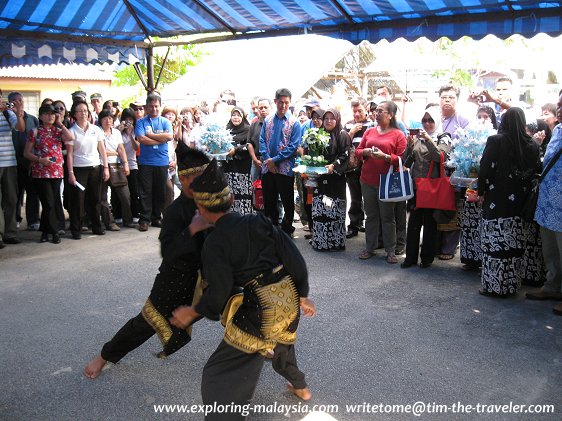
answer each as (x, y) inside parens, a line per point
(94, 367)
(303, 394)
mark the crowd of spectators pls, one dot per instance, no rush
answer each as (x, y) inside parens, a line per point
(114, 168)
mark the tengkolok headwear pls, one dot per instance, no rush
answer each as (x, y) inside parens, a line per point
(190, 161)
(210, 189)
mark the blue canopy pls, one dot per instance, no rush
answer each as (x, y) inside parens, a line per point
(116, 30)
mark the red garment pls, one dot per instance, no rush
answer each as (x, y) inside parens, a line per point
(391, 143)
(47, 144)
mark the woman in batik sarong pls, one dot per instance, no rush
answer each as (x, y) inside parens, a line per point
(470, 213)
(237, 167)
(509, 160)
(329, 199)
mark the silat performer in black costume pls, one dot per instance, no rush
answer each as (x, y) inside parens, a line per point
(181, 241)
(249, 252)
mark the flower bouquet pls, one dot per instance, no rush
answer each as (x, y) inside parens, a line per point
(467, 151)
(314, 164)
(213, 139)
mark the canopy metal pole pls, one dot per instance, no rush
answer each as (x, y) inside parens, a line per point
(162, 67)
(150, 69)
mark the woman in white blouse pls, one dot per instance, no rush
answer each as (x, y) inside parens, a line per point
(85, 174)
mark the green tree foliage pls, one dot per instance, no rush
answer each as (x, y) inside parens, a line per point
(180, 59)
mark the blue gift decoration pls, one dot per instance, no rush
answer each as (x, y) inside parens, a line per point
(214, 139)
(467, 149)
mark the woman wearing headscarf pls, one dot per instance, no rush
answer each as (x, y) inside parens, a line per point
(486, 116)
(470, 212)
(509, 161)
(421, 151)
(380, 148)
(239, 163)
(316, 119)
(329, 196)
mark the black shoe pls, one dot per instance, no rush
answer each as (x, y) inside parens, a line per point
(12, 240)
(399, 252)
(425, 265)
(361, 229)
(76, 235)
(98, 231)
(288, 229)
(157, 223)
(2, 245)
(351, 234)
(56, 239)
(406, 265)
(308, 236)
(44, 237)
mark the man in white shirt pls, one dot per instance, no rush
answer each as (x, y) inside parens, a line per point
(11, 117)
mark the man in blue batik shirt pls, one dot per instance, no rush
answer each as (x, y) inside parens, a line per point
(279, 139)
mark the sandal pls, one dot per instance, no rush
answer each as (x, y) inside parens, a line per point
(391, 258)
(445, 256)
(305, 228)
(365, 254)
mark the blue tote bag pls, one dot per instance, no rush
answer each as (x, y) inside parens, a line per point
(396, 186)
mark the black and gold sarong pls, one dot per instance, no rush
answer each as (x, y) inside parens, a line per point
(265, 314)
(159, 307)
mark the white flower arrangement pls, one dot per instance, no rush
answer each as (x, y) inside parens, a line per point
(317, 141)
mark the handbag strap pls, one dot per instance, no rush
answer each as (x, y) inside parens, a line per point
(550, 165)
(441, 166)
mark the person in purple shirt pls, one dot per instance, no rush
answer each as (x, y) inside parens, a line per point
(450, 122)
(450, 119)
(153, 132)
(279, 139)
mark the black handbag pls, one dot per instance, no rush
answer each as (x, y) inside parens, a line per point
(117, 177)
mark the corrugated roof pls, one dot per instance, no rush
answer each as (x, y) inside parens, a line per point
(57, 71)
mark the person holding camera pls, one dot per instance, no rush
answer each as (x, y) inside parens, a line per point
(11, 117)
(131, 145)
(501, 101)
(44, 151)
(424, 147)
(25, 182)
(113, 108)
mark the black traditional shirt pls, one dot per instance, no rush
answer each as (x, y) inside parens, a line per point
(179, 249)
(241, 248)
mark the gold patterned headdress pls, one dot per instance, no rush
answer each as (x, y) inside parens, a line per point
(190, 161)
(210, 189)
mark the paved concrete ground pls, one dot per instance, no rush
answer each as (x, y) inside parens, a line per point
(382, 335)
